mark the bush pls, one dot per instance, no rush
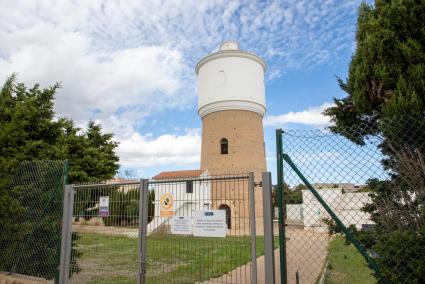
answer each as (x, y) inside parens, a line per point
(405, 251)
(124, 208)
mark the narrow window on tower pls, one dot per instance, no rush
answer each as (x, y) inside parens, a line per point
(224, 146)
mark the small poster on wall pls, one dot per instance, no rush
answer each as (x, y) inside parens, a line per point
(166, 205)
(104, 206)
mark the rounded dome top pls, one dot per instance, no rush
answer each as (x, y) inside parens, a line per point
(229, 45)
(230, 49)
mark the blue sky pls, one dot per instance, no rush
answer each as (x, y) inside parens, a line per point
(130, 65)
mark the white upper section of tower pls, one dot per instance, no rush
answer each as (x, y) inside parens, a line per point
(231, 79)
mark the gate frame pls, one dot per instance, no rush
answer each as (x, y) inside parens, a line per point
(143, 229)
(281, 207)
(67, 217)
(269, 269)
(66, 241)
(253, 232)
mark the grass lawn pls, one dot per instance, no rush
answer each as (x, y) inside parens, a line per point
(346, 265)
(182, 259)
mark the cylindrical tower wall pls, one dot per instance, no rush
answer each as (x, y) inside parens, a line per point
(231, 104)
(244, 132)
(229, 80)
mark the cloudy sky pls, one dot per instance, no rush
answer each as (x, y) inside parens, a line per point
(130, 64)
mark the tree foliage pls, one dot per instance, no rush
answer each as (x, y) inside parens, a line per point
(31, 131)
(291, 196)
(386, 73)
(125, 211)
(386, 98)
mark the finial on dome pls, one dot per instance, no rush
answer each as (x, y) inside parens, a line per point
(229, 45)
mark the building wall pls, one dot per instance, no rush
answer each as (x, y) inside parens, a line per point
(347, 206)
(244, 131)
(294, 212)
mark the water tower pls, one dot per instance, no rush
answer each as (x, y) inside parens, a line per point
(231, 104)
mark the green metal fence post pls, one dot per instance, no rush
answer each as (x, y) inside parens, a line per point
(281, 207)
(372, 264)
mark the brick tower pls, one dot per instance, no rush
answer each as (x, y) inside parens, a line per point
(231, 104)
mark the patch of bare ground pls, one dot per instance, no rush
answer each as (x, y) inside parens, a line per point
(6, 278)
(91, 269)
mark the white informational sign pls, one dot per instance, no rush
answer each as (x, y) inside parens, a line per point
(181, 225)
(209, 223)
(104, 206)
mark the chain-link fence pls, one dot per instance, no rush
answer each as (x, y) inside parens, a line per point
(30, 244)
(354, 201)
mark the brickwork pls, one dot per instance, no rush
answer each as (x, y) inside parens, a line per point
(246, 153)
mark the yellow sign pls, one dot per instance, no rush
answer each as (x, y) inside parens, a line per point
(166, 205)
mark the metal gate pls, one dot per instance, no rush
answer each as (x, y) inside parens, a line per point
(174, 258)
(161, 231)
(325, 208)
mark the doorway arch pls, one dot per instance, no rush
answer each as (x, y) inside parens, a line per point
(228, 215)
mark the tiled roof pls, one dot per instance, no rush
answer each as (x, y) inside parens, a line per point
(178, 174)
(119, 180)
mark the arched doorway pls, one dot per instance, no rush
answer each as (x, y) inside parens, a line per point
(228, 215)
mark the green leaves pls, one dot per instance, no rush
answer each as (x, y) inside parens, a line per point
(387, 70)
(29, 131)
(386, 98)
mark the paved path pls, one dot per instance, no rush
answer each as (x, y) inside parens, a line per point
(306, 253)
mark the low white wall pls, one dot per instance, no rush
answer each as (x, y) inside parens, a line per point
(294, 212)
(347, 206)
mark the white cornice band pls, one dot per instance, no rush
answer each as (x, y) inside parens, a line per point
(230, 53)
(231, 105)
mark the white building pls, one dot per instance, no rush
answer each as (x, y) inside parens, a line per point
(187, 195)
(346, 205)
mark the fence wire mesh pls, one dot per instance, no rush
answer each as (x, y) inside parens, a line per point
(31, 245)
(372, 176)
(186, 258)
(105, 245)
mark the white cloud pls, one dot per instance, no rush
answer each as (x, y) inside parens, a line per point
(145, 151)
(130, 83)
(312, 116)
(122, 61)
(136, 58)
